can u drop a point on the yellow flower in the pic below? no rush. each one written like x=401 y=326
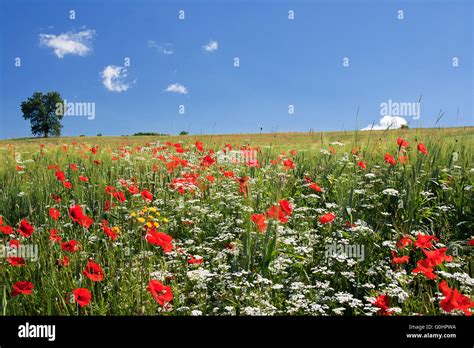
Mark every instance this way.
x=116 y=229
x=156 y=224
x=165 y=220
x=158 y=213
x=133 y=214
x=141 y=220
x=148 y=224
x=153 y=209
x=150 y=217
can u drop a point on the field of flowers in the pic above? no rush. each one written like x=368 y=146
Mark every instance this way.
x=357 y=223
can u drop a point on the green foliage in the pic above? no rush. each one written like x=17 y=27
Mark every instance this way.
x=43 y=113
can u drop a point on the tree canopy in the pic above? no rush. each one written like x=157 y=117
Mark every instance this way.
x=43 y=113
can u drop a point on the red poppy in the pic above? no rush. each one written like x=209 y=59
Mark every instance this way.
x=53 y=236
x=276 y=212
x=160 y=239
x=63 y=262
x=403 y=242
x=390 y=160
x=70 y=246
x=425 y=268
x=56 y=198
x=83 y=178
x=260 y=221
x=73 y=166
x=82 y=296
x=421 y=147
x=382 y=302
x=60 y=175
x=403 y=159
x=93 y=271
x=454 y=300
x=6 y=229
x=252 y=163
x=133 y=190
x=327 y=218
x=399 y=259
x=207 y=161
x=22 y=288
x=67 y=184
x=109 y=189
x=362 y=165
x=199 y=145
x=108 y=231
x=424 y=241
x=160 y=292
x=78 y=216
x=147 y=196
x=16 y=261
x=470 y=242
x=313 y=186
x=288 y=163
x=107 y=205
x=25 y=228
x=286 y=206
x=243 y=185
x=229 y=174
x=14 y=243
x=402 y=142
x=120 y=196
x=195 y=261
x=54 y=213
x=437 y=257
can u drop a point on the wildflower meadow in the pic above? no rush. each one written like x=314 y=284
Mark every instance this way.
x=375 y=223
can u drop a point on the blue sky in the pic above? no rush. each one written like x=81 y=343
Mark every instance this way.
x=283 y=62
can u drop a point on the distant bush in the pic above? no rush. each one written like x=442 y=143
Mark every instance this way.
x=404 y=126
x=99 y=135
x=148 y=134
x=183 y=133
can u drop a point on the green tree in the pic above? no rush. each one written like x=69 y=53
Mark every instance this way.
x=45 y=112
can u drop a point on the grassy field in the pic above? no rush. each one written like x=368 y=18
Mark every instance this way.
x=343 y=223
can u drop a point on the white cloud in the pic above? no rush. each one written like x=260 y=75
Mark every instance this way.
x=69 y=43
x=176 y=88
x=165 y=49
x=113 y=78
x=387 y=122
x=211 y=46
